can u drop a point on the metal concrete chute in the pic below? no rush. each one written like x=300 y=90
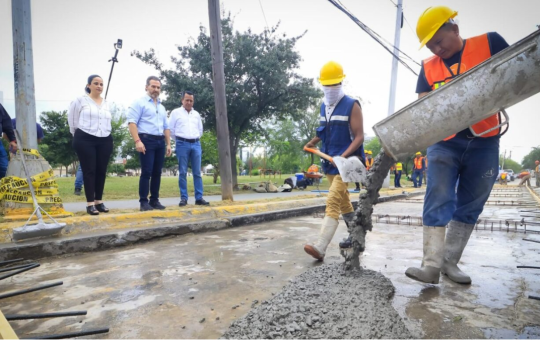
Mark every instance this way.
x=505 y=79
x=40 y=229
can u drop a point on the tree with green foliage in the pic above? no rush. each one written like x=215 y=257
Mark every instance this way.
x=210 y=152
x=530 y=158
x=261 y=80
x=509 y=164
x=58 y=138
x=119 y=131
x=171 y=163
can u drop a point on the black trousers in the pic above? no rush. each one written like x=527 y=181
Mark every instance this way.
x=94 y=154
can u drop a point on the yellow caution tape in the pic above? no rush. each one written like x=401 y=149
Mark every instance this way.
x=16 y=189
x=28 y=199
x=32 y=152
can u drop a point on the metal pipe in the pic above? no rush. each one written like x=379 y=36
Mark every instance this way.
x=29 y=290
x=498 y=83
x=529 y=267
x=30 y=267
x=10 y=261
x=526 y=239
x=44 y=315
x=71 y=335
x=7 y=269
x=534 y=297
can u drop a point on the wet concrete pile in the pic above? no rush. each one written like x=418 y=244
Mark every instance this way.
x=362 y=219
x=326 y=302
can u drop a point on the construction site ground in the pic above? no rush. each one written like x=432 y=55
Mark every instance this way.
x=194 y=285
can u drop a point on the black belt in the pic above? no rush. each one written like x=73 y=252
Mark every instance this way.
x=145 y=135
x=187 y=140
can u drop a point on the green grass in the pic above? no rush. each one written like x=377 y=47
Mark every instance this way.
x=123 y=188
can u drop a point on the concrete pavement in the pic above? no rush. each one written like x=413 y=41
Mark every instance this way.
x=193 y=286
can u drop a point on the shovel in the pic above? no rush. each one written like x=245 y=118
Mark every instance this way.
x=40 y=229
x=351 y=169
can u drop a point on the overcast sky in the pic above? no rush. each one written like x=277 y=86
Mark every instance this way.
x=73 y=39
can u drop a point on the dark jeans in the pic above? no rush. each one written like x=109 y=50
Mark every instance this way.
x=397 y=178
x=475 y=163
x=151 y=166
x=3 y=162
x=94 y=154
x=417 y=178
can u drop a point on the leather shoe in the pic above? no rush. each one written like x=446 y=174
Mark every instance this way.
x=102 y=208
x=91 y=210
x=201 y=202
x=157 y=205
x=183 y=202
x=146 y=207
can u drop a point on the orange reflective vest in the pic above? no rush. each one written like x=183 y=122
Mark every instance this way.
x=418 y=163
x=369 y=163
x=475 y=51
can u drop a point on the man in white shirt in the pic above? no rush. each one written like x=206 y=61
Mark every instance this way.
x=186 y=127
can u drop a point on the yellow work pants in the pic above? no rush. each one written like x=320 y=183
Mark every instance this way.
x=338 y=197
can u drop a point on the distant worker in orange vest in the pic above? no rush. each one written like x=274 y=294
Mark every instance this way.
x=369 y=164
x=525 y=176
x=418 y=170
x=472 y=159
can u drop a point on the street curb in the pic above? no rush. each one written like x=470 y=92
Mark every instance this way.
x=80 y=244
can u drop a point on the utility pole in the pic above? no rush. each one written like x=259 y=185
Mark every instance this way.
x=23 y=65
x=25 y=108
x=393 y=79
x=222 y=123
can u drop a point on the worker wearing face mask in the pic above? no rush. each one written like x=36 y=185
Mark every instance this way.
x=341 y=132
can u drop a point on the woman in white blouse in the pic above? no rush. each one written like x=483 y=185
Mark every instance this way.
x=89 y=121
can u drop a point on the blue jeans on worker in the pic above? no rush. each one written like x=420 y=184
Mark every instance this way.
x=475 y=162
x=3 y=161
x=397 y=178
x=187 y=152
x=417 y=176
x=151 y=167
x=79 y=178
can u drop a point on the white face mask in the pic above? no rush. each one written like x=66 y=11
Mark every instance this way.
x=332 y=94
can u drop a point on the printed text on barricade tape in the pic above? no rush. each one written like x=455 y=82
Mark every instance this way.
x=46 y=188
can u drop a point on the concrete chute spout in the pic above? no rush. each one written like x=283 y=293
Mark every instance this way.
x=505 y=79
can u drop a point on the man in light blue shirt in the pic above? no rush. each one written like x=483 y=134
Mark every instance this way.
x=148 y=126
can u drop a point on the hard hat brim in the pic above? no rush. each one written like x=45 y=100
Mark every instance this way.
x=331 y=81
x=432 y=33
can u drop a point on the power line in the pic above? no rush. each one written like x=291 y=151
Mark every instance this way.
x=375 y=36
x=264 y=15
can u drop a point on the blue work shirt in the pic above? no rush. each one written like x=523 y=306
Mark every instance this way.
x=149 y=117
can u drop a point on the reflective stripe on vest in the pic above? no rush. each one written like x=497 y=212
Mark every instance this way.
x=399 y=166
x=437 y=74
x=418 y=163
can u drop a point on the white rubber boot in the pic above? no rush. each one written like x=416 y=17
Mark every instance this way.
x=328 y=229
x=433 y=256
x=456 y=239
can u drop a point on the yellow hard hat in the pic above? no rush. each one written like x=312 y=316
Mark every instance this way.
x=369 y=152
x=331 y=73
x=419 y=153
x=431 y=20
